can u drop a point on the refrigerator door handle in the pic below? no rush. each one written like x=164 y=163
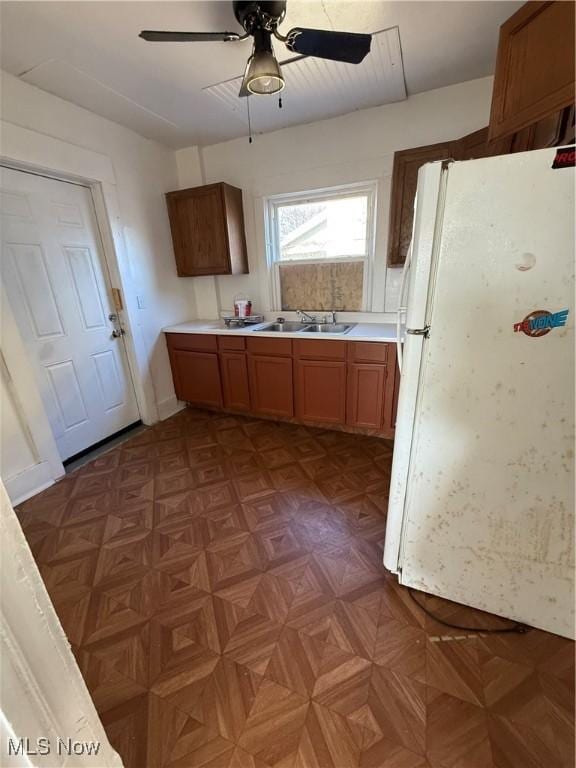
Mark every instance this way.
x=402 y=308
x=419 y=331
x=399 y=351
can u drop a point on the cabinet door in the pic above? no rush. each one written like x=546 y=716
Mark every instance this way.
x=235 y=380
x=552 y=131
x=366 y=384
x=477 y=145
x=321 y=391
x=235 y=234
x=271 y=385
x=196 y=377
x=534 y=74
x=197 y=221
x=407 y=163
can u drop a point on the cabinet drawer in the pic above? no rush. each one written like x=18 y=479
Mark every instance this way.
x=368 y=352
x=319 y=349
x=232 y=343
x=262 y=346
x=195 y=342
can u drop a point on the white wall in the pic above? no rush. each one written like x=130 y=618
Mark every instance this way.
x=356 y=147
x=144 y=170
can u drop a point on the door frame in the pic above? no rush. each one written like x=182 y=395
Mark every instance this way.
x=109 y=250
x=25 y=150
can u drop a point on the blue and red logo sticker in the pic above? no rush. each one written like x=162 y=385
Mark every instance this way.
x=540 y=322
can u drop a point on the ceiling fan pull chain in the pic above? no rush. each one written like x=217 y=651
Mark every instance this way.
x=249 y=123
x=279 y=102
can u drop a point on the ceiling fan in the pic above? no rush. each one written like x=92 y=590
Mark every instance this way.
x=260 y=20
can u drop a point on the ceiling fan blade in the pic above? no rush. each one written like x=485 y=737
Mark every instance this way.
x=349 y=47
x=243 y=90
x=153 y=36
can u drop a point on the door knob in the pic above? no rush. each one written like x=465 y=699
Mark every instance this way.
x=118 y=330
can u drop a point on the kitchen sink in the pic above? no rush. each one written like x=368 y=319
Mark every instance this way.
x=328 y=328
x=293 y=327
x=287 y=327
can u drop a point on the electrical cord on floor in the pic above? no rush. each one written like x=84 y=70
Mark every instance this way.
x=516 y=628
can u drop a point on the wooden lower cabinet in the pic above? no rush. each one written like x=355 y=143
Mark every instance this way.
x=196 y=377
x=316 y=381
x=235 y=385
x=320 y=391
x=366 y=387
x=271 y=385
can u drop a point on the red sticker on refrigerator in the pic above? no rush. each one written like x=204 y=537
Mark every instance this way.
x=565 y=158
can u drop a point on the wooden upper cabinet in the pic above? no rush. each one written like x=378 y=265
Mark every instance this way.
x=407 y=163
x=551 y=131
x=478 y=144
x=207 y=226
x=534 y=75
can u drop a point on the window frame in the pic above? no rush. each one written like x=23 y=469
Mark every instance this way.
x=273 y=261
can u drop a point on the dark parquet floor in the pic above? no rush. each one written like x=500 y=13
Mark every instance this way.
x=220 y=581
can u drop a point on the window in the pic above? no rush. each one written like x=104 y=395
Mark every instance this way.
x=320 y=248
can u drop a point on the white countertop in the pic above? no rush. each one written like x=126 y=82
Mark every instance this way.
x=360 y=331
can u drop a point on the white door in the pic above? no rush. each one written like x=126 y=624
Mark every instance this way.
x=490 y=504
x=59 y=291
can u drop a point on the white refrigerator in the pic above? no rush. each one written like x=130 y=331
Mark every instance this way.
x=481 y=507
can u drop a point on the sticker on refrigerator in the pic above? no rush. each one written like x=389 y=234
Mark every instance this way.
x=540 y=322
x=565 y=158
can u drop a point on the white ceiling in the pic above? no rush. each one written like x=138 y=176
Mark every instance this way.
x=90 y=54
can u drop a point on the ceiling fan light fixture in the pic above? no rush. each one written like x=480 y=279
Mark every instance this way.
x=264 y=75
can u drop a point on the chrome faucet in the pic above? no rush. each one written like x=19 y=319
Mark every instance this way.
x=330 y=317
x=305 y=317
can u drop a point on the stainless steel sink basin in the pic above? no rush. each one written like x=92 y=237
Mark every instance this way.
x=287 y=327
x=294 y=327
x=328 y=328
